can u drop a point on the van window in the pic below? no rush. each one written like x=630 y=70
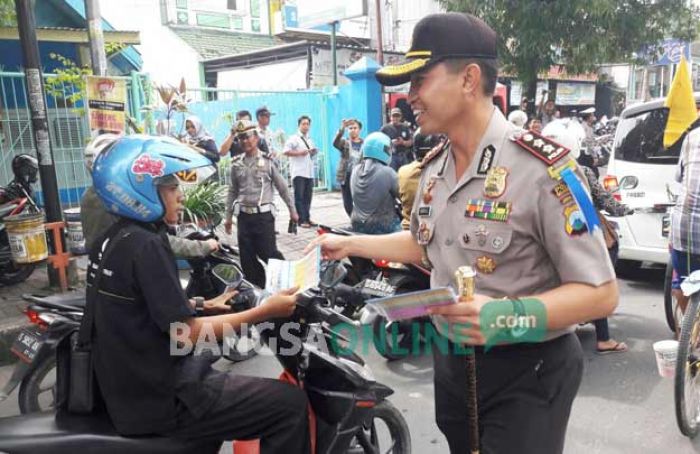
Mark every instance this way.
x=640 y=139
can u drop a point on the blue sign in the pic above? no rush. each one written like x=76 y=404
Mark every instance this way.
x=671 y=52
x=291 y=19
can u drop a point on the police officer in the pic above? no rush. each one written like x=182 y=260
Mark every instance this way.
x=409 y=175
x=250 y=197
x=511 y=205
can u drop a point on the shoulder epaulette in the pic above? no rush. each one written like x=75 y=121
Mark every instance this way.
x=434 y=153
x=543 y=148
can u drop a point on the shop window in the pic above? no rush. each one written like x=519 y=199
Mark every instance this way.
x=213 y=20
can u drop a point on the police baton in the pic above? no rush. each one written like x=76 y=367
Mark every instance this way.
x=465 y=276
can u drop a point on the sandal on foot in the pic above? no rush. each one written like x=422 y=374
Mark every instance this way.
x=619 y=347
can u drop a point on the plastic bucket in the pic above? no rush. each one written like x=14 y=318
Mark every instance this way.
x=27 y=237
x=74 y=231
x=666 y=353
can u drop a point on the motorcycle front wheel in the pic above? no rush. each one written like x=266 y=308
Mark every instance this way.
x=37 y=392
x=388 y=433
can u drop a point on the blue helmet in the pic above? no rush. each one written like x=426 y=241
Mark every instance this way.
x=126 y=175
x=377 y=146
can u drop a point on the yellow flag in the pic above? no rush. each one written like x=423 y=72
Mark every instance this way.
x=681 y=103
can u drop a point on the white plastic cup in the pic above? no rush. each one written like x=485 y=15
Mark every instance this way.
x=666 y=352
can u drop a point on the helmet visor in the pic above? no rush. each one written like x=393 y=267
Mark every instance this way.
x=189 y=177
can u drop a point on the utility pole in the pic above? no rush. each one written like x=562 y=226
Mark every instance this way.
x=334 y=47
x=96 y=37
x=380 y=40
x=37 y=110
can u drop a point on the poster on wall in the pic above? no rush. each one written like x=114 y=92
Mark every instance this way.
x=106 y=104
x=569 y=94
x=516 y=91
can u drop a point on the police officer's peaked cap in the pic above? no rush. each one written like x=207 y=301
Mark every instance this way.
x=244 y=126
x=438 y=37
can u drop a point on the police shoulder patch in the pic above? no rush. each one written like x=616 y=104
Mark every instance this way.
x=541 y=147
x=434 y=153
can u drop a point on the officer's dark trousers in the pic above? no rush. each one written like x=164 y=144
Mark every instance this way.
x=256 y=238
x=303 y=191
x=250 y=408
x=525 y=393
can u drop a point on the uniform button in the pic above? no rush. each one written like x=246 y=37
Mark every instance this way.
x=448 y=242
x=453 y=199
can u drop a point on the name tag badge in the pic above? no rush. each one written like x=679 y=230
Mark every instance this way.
x=425 y=211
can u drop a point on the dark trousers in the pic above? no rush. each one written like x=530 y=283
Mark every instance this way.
x=251 y=408
x=400 y=159
x=525 y=393
x=347 y=194
x=303 y=191
x=256 y=239
x=602 y=332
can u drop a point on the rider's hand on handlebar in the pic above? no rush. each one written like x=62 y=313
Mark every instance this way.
x=218 y=305
x=213 y=245
x=281 y=304
x=333 y=247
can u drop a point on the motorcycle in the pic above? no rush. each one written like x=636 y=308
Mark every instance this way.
x=16 y=198
x=392 y=339
x=55 y=317
x=346 y=400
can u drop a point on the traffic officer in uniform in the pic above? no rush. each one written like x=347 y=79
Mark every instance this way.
x=510 y=204
x=250 y=196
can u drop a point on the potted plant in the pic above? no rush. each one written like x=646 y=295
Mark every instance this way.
x=205 y=204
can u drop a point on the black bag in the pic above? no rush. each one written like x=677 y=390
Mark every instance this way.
x=82 y=390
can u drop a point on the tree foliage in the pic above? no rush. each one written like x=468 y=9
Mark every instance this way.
x=578 y=34
x=8 y=18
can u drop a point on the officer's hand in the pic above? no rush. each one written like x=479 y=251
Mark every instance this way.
x=218 y=304
x=213 y=245
x=281 y=304
x=463 y=319
x=295 y=217
x=227 y=226
x=333 y=247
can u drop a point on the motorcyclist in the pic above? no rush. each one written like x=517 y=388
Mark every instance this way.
x=139 y=306
x=25 y=169
x=96 y=220
x=375 y=188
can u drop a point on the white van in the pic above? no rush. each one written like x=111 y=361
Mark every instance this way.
x=641 y=174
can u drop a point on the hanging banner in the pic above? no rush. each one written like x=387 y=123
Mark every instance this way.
x=106 y=104
x=575 y=94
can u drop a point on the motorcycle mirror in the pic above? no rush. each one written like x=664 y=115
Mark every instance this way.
x=333 y=274
x=229 y=274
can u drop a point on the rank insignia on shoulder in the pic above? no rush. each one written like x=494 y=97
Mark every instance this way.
x=541 y=147
x=488 y=209
x=434 y=153
x=495 y=183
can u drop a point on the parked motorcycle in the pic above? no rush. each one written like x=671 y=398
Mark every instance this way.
x=350 y=407
x=55 y=317
x=16 y=198
x=393 y=339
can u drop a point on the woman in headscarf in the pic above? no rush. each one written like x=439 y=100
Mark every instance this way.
x=199 y=137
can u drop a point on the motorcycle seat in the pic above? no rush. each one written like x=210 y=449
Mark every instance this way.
x=44 y=433
x=60 y=301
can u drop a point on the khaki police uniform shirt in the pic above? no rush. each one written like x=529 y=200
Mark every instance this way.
x=536 y=246
x=409 y=175
x=252 y=181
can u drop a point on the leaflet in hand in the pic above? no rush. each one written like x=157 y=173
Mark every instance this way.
x=412 y=305
x=284 y=274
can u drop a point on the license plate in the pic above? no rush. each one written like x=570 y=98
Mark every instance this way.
x=665 y=225
x=27 y=344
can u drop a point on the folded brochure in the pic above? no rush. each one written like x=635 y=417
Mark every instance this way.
x=284 y=274
x=414 y=304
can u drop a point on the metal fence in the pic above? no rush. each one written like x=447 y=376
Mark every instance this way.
x=68 y=128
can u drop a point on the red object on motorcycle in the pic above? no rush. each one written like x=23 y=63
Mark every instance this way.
x=365 y=404
x=33 y=317
x=381 y=263
x=611 y=184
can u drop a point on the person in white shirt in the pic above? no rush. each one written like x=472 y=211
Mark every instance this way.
x=265 y=132
x=300 y=149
